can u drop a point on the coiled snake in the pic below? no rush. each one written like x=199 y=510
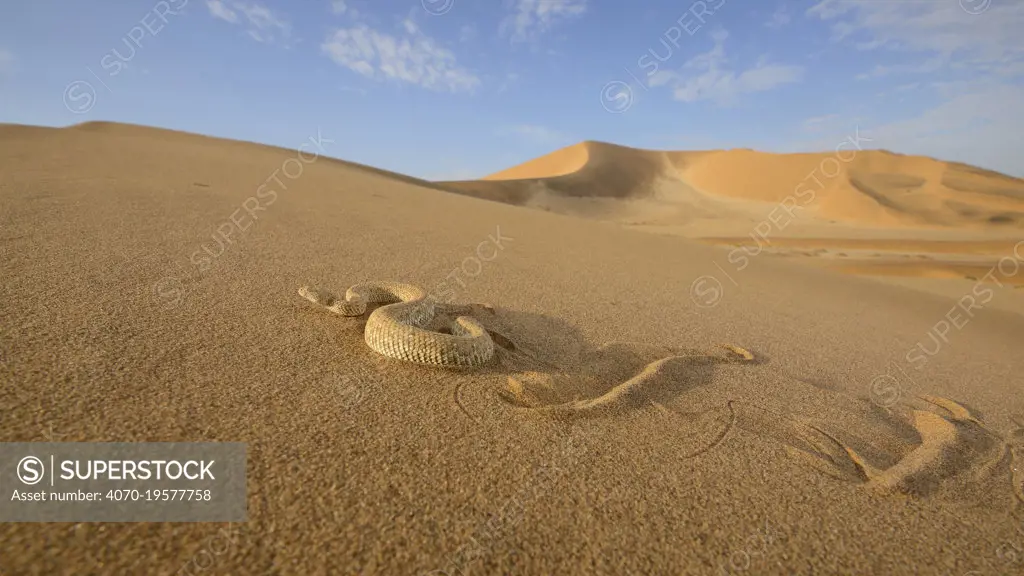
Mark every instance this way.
x=398 y=329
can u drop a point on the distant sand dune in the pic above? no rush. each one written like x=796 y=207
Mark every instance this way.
x=852 y=200
x=869 y=187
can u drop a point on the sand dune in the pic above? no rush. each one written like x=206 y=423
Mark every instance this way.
x=816 y=205
x=149 y=293
x=865 y=187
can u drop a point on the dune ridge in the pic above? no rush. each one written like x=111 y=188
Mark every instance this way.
x=120 y=131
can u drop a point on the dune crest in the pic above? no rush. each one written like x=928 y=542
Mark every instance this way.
x=558 y=163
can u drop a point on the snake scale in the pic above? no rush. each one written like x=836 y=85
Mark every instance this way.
x=399 y=328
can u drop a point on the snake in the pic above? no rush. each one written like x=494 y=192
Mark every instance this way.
x=399 y=328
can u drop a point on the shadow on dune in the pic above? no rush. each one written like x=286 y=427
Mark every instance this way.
x=550 y=369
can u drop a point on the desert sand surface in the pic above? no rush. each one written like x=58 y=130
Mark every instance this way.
x=654 y=404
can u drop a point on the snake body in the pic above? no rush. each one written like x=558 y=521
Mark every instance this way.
x=398 y=329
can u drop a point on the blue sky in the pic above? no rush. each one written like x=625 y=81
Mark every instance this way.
x=448 y=89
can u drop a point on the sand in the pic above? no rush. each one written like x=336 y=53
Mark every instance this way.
x=654 y=408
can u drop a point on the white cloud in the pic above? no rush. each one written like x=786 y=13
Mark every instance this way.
x=973 y=63
x=870 y=45
x=717 y=83
x=220 y=10
x=531 y=18
x=940 y=28
x=411 y=56
x=926 y=67
x=261 y=23
x=264 y=24
x=828 y=9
